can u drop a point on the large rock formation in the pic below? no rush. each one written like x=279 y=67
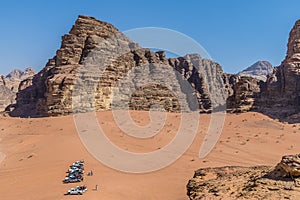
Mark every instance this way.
x=281 y=97
x=259 y=70
x=97 y=67
x=259 y=182
x=9 y=86
x=50 y=91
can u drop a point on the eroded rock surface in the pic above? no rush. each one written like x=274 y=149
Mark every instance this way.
x=259 y=182
x=282 y=95
x=290 y=165
x=95 y=58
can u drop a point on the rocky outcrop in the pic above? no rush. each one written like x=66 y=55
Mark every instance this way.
x=282 y=95
x=242 y=92
x=259 y=182
x=259 y=70
x=97 y=67
x=290 y=165
x=9 y=86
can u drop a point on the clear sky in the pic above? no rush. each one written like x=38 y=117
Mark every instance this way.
x=236 y=33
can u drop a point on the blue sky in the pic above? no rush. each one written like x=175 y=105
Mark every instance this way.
x=236 y=33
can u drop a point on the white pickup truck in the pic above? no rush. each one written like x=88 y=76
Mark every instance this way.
x=79 y=190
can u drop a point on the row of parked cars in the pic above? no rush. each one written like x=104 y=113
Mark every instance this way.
x=75 y=174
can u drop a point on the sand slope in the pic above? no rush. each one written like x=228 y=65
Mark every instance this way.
x=39 y=151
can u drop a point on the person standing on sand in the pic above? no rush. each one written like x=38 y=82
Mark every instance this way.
x=96 y=188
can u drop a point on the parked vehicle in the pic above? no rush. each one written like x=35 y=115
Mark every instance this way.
x=75 y=173
x=74 y=191
x=79 y=165
x=80 y=162
x=73 y=180
x=76 y=167
x=76 y=170
x=75 y=176
x=81 y=187
x=78 y=190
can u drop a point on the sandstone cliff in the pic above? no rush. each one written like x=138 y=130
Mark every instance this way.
x=94 y=62
x=242 y=93
x=281 y=97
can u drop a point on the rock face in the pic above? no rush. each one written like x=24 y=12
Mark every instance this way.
x=50 y=91
x=97 y=67
x=242 y=92
x=259 y=70
x=9 y=86
x=260 y=182
x=282 y=92
x=7 y=96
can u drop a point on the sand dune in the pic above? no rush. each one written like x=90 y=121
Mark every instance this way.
x=39 y=151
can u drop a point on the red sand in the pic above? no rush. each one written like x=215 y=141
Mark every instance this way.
x=39 y=151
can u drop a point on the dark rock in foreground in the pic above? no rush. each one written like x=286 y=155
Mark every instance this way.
x=260 y=182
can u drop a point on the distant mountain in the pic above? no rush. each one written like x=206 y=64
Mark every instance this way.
x=9 y=85
x=19 y=74
x=258 y=70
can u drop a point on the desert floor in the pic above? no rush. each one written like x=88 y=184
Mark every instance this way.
x=38 y=152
